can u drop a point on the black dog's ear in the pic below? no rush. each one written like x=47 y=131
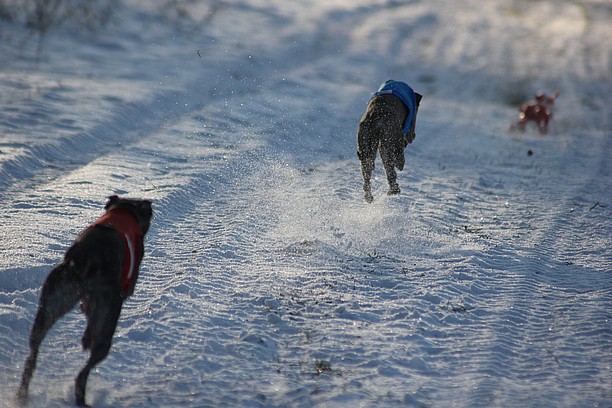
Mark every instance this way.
x=111 y=200
x=146 y=206
x=418 y=98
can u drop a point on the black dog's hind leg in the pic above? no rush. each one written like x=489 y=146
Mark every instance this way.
x=102 y=315
x=59 y=295
x=367 y=166
x=389 y=164
x=367 y=149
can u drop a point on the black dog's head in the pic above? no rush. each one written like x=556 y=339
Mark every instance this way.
x=412 y=134
x=141 y=209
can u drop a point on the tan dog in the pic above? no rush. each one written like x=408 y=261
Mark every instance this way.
x=539 y=112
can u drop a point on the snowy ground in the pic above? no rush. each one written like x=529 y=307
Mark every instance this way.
x=267 y=280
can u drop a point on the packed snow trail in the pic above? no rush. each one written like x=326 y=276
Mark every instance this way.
x=267 y=279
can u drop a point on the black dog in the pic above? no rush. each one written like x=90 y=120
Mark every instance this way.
x=388 y=125
x=100 y=269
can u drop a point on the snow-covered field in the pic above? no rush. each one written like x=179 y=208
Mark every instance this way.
x=268 y=280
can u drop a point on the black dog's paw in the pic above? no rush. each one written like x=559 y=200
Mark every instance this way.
x=79 y=389
x=82 y=403
x=21 y=398
x=394 y=190
x=368 y=197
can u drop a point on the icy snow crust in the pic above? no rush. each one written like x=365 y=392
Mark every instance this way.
x=267 y=279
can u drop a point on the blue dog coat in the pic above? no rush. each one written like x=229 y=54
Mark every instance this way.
x=406 y=95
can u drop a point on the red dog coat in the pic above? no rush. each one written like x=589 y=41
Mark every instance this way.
x=127 y=226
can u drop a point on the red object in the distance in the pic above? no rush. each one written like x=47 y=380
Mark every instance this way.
x=539 y=112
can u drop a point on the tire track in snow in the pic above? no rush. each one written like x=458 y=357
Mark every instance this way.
x=519 y=319
x=162 y=290
x=546 y=297
x=130 y=123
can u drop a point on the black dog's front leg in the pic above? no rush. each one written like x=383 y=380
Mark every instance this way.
x=367 y=166
x=102 y=312
x=390 y=159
